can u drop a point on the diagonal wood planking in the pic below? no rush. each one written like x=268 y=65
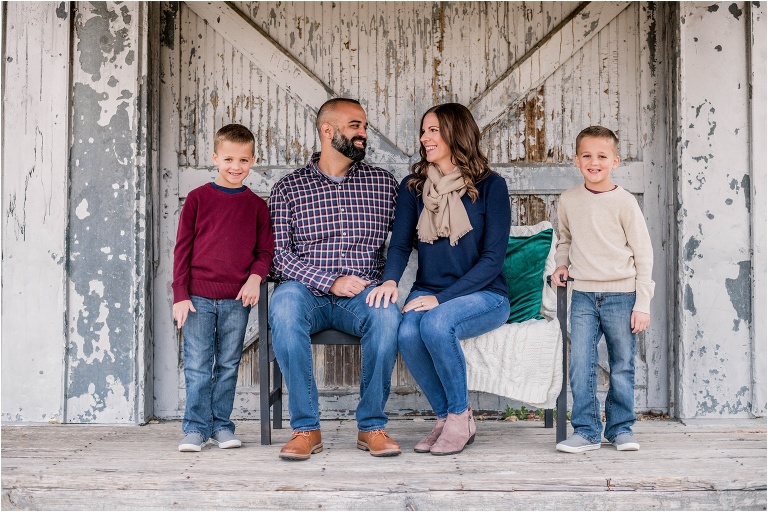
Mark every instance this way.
x=283 y=68
x=532 y=69
x=528 y=72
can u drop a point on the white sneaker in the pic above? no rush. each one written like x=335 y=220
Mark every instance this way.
x=576 y=444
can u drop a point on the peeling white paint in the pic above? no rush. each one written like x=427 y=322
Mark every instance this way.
x=82 y=209
x=97 y=287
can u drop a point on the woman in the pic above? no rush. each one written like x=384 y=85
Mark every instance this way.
x=460 y=211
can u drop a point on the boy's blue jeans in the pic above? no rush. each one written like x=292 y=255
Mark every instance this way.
x=429 y=343
x=592 y=315
x=213 y=345
x=295 y=313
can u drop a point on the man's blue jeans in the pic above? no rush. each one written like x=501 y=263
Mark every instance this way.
x=295 y=313
x=429 y=343
x=592 y=315
x=213 y=345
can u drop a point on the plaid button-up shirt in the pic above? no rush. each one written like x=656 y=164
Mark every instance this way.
x=324 y=230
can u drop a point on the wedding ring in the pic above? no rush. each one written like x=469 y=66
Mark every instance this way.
x=422 y=303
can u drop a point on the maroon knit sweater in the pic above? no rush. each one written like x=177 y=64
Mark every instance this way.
x=222 y=239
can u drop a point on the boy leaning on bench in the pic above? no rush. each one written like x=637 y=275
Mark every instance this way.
x=225 y=247
x=605 y=247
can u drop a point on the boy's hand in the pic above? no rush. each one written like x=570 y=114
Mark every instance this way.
x=348 y=286
x=639 y=321
x=560 y=276
x=250 y=291
x=180 y=311
x=386 y=291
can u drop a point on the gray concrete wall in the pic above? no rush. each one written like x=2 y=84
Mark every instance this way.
x=721 y=349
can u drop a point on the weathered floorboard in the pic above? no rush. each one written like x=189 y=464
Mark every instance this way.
x=511 y=465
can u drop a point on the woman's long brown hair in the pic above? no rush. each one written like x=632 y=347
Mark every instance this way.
x=459 y=131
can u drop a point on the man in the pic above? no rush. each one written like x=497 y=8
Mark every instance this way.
x=330 y=221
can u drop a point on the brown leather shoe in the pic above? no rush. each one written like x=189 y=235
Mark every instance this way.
x=378 y=443
x=302 y=445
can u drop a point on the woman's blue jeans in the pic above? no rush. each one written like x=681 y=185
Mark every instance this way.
x=592 y=315
x=295 y=313
x=429 y=343
x=213 y=345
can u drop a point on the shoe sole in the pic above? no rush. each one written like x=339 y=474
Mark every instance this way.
x=381 y=453
x=627 y=447
x=234 y=443
x=469 y=442
x=292 y=456
x=190 y=447
x=578 y=449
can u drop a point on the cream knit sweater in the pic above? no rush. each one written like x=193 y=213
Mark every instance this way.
x=604 y=240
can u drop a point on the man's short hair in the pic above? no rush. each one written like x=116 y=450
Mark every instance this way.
x=598 y=132
x=236 y=133
x=327 y=109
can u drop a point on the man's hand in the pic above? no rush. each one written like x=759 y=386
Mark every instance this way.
x=639 y=321
x=560 y=276
x=386 y=291
x=180 y=311
x=348 y=286
x=250 y=291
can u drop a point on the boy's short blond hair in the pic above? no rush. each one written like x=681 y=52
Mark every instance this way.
x=236 y=133
x=598 y=132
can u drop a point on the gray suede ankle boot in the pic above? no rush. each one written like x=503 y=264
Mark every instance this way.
x=458 y=431
x=425 y=444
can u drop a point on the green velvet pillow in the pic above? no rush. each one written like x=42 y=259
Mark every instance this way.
x=524 y=270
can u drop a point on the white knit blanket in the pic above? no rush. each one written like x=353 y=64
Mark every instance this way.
x=521 y=361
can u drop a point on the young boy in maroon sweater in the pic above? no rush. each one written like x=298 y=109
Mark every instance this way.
x=224 y=249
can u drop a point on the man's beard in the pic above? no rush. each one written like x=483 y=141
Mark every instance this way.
x=347 y=146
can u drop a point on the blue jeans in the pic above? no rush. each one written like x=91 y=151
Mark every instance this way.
x=213 y=345
x=295 y=313
x=429 y=343
x=592 y=315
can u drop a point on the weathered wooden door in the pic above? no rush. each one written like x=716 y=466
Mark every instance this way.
x=533 y=73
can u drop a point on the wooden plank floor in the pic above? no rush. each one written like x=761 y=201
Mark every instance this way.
x=511 y=465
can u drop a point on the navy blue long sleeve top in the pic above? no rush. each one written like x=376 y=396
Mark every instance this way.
x=474 y=264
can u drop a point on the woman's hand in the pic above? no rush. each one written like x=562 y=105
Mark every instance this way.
x=386 y=292
x=424 y=303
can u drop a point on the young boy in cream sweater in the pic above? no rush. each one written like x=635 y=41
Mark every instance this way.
x=605 y=247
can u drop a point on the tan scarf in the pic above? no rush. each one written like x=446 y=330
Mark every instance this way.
x=443 y=214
